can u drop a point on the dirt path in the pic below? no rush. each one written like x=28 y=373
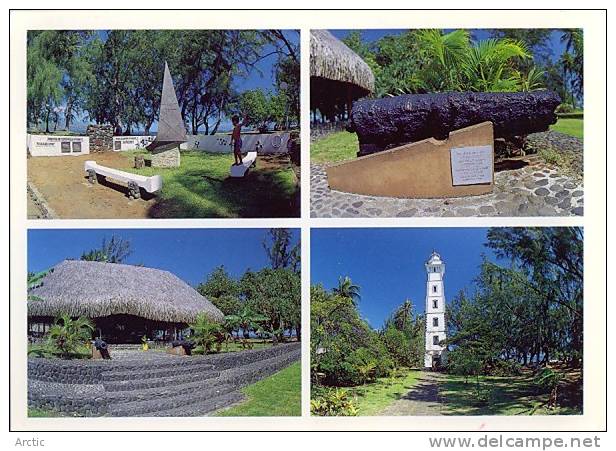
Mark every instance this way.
x=422 y=400
x=62 y=182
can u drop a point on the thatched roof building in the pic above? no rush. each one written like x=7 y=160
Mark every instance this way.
x=133 y=299
x=337 y=74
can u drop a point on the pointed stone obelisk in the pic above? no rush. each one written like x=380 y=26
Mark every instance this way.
x=171 y=129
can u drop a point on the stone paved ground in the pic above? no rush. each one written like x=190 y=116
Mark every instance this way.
x=422 y=400
x=525 y=186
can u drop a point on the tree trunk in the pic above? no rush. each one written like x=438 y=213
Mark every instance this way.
x=47 y=121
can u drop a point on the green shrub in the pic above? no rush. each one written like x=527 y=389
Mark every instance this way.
x=68 y=338
x=332 y=402
x=207 y=335
x=547 y=381
x=506 y=368
x=565 y=108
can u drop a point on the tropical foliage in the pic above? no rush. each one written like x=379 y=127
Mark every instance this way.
x=264 y=303
x=206 y=335
x=114 y=76
x=68 y=338
x=420 y=61
x=114 y=250
x=523 y=319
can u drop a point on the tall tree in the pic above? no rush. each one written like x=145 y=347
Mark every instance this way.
x=114 y=250
x=281 y=251
x=347 y=289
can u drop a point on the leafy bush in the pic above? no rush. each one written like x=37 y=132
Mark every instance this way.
x=398 y=346
x=565 y=108
x=332 y=402
x=206 y=335
x=506 y=368
x=68 y=337
x=548 y=380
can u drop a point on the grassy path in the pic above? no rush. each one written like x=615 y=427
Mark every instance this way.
x=423 y=399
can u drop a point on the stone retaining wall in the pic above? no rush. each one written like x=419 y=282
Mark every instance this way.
x=101 y=137
x=77 y=387
x=67 y=371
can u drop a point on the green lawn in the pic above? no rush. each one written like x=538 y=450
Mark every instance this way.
x=277 y=395
x=573 y=127
x=342 y=146
x=42 y=413
x=375 y=396
x=504 y=396
x=201 y=188
x=336 y=147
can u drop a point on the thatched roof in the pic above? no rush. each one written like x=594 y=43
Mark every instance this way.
x=331 y=59
x=94 y=289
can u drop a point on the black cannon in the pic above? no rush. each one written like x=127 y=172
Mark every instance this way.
x=390 y=122
x=187 y=345
x=101 y=346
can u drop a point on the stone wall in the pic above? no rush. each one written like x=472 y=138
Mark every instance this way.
x=101 y=137
x=166 y=159
x=151 y=383
x=67 y=371
x=319 y=130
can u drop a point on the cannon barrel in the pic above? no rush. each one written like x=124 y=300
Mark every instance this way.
x=390 y=122
x=186 y=344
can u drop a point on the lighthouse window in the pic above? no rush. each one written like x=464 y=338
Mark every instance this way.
x=433 y=288
x=434 y=303
x=435 y=340
x=435 y=322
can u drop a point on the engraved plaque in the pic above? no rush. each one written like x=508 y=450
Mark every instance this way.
x=472 y=165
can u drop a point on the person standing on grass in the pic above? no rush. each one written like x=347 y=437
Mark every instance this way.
x=236 y=138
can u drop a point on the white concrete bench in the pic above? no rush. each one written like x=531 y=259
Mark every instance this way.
x=239 y=170
x=134 y=181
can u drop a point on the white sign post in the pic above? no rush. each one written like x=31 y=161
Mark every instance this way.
x=472 y=165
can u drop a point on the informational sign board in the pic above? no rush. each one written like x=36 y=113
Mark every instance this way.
x=471 y=165
x=121 y=143
x=270 y=143
x=52 y=145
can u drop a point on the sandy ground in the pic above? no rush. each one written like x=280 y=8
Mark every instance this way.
x=63 y=183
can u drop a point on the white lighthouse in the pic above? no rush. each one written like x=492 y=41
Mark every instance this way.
x=435 y=312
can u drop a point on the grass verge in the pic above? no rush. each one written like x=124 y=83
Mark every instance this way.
x=336 y=147
x=569 y=126
x=516 y=395
x=376 y=396
x=277 y=395
x=201 y=188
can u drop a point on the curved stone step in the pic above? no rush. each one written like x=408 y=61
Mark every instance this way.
x=151 y=372
x=201 y=408
x=256 y=371
x=150 y=407
x=173 y=388
x=142 y=384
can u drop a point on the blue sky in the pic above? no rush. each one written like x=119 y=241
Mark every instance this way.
x=373 y=35
x=190 y=254
x=388 y=263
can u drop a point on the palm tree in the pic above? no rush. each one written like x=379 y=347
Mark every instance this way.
x=246 y=320
x=347 y=289
x=207 y=333
x=454 y=63
x=67 y=334
x=403 y=315
x=572 y=60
